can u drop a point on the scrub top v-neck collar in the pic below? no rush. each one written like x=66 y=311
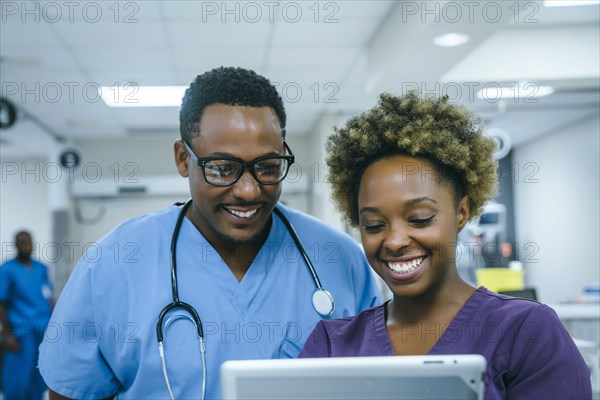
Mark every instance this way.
x=239 y=293
x=465 y=314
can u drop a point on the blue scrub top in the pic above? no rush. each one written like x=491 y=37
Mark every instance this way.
x=27 y=292
x=102 y=336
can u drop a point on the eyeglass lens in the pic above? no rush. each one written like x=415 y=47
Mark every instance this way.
x=268 y=171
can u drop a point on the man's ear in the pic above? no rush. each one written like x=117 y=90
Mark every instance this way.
x=181 y=158
x=462 y=213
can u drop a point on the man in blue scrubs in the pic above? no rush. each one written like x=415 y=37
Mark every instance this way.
x=237 y=263
x=25 y=307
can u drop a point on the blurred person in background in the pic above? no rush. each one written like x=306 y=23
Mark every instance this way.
x=25 y=308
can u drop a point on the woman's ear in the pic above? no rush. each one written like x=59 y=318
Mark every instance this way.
x=462 y=213
x=181 y=158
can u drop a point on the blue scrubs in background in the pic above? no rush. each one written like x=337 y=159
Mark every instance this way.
x=102 y=336
x=26 y=292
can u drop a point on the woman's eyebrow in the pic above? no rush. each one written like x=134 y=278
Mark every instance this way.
x=368 y=209
x=414 y=202
x=408 y=204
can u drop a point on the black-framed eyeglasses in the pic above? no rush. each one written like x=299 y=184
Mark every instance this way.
x=225 y=171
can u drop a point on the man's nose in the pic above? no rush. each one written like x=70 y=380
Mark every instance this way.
x=246 y=188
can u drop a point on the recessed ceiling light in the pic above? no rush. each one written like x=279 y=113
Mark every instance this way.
x=570 y=3
x=142 y=96
x=521 y=90
x=451 y=39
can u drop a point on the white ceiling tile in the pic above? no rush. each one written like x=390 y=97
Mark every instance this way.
x=48 y=89
x=203 y=58
x=311 y=56
x=15 y=32
x=343 y=33
x=305 y=76
x=310 y=94
x=278 y=11
x=194 y=34
x=82 y=34
x=318 y=60
x=91 y=12
x=140 y=76
x=351 y=9
x=150 y=118
x=185 y=9
x=32 y=56
x=131 y=12
x=529 y=54
x=126 y=58
x=533 y=13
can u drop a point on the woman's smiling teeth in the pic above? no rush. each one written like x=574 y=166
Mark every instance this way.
x=406 y=266
x=242 y=214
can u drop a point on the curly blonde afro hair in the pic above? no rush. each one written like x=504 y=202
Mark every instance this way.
x=448 y=136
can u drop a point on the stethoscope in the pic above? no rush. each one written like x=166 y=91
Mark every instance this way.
x=322 y=299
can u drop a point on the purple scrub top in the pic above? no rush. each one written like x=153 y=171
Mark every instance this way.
x=529 y=352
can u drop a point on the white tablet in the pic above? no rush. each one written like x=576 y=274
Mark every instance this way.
x=399 y=377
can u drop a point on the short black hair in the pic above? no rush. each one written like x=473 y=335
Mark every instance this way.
x=230 y=86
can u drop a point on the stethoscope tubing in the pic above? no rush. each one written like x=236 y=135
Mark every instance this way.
x=175 y=291
x=294 y=235
x=327 y=310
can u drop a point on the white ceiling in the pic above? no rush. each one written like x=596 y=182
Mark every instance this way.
x=350 y=50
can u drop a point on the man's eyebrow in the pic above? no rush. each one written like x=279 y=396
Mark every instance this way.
x=229 y=155
x=220 y=154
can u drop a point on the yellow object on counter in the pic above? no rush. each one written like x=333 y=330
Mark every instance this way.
x=500 y=279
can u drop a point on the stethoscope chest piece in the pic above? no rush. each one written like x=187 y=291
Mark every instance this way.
x=323 y=302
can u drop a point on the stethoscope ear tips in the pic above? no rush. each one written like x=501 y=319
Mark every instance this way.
x=323 y=302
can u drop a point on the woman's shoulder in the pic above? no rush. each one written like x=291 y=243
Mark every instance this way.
x=511 y=309
x=492 y=299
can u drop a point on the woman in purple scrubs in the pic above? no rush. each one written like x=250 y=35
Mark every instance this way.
x=410 y=173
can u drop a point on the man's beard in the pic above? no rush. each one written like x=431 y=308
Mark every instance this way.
x=241 y=249
x=233 y=242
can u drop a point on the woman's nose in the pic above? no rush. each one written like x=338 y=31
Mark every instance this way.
x=397 y=239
